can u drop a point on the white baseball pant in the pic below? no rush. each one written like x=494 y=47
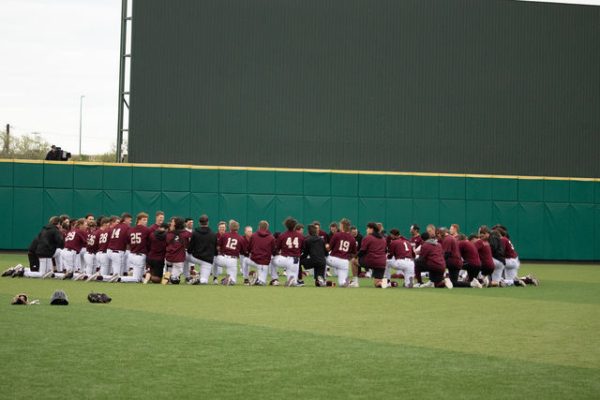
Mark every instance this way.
x=116 y=258
x=341 y=267
x=262 y=270
x=291 y=265
x=230 y=265
x=138 y=263
x=498 y=270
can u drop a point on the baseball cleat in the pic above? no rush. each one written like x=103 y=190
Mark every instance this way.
x=448 y=283
x=8 y=272
x=521 y=282
x=291 y=281
x=80 y=277
x=320 y=282
x=486 y=281
x=426 y=285
x=18 y=272
x=353 y=284
x=93 y=277
x=68 y=275
x=299 y=283
x=274 y=282
x=476 y=284
x=114 y=279
x=215 y=281
x=384 y=283
x=246 y=282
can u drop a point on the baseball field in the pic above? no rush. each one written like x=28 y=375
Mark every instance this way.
x=211 y=342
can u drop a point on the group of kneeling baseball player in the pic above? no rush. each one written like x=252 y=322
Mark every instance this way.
x=112 y=250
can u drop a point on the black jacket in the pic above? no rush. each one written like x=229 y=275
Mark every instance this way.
x=314 y=248
x=497 y=247
x=203 y=244
x=49 y=240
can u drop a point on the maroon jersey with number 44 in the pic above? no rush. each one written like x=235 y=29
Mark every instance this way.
x=342 y=245
x=290 y=243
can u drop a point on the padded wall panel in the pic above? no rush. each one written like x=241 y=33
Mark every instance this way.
x=531 y=224
x=479 y=212
x=317 y=208
x=119 y=178
x=116 y=202
x=261 y=182
x=6 y=173
x=399 y=186
x=28 y=206
x=371 y=210
x=205 y=203
x=597 y=233
x=597 y=192
x=557 y=222
x=262 y=206
x=57 y=202
x=87 y=201
x=87 y=176
x=28 y=175
x=176 y=204
x=505 y=189
x=452 y=212
x=175 y=179
x=426 y=211
x=478 y=189
x=582 y=219
x=556 y=191
x=344 y=185
x=204 y=180
x=371 y=185
x=146 y=178
x=58 y=175
x=6 y=216
x=317 y=184
x=233 y=206
x=289 y=182
x=426 y=187
x=233 y=181
x=398 y=214
x=148 y=202
x=452 y=187
x=344 y=207
x=286 y=206
x=531 y=190
x=582 y=192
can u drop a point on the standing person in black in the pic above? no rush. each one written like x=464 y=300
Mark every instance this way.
x=358 y=237
x=313 y=255
x=49 y=240
x=203 y=249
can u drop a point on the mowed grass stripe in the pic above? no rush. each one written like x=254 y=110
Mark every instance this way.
x=111 y=352
x=547 y=331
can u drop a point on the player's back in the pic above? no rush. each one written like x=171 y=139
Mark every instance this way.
x=118 y=238
x=290 y=243
x=400 y=248
x=342 y=245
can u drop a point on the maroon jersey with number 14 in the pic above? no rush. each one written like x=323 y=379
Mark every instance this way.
x=118 y=238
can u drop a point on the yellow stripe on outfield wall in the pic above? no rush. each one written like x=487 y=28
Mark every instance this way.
x=332 y=171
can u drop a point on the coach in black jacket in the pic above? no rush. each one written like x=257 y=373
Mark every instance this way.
x=49 y=239
x=203 y=245
x=314 y=253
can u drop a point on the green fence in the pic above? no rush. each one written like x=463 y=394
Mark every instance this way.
x=548 y=218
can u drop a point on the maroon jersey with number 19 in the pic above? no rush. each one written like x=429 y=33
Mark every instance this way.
x=342 y=245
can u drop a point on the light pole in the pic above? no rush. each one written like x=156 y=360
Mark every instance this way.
x=80 y=120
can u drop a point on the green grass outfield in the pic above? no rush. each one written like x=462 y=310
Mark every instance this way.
x=212 y=342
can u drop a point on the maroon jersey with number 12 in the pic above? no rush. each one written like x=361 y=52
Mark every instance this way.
x=232 y=244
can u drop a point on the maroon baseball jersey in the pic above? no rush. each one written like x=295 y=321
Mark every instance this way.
x=75 y=240
x=262 y=247
x=450 y=247
x=231 y=244
x=432 y=256
x=118 y=237
x=400 y=248
x=103 y=236
x=138 y=239
x=374 y=252
x=177 y=243
x=416 y=241
x=485 y=254
x=290 y=243
x=152 y=228
x=469 y=253
x=92 y=241
x=158 y=247
x=323 y=234
x=342 y=245
x=509 y=249
x=246 y=248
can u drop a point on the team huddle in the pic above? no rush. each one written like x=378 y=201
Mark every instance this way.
x=111 y=249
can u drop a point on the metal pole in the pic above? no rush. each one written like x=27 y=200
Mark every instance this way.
x=121 y=77
x=80 y=121
x=7 y=142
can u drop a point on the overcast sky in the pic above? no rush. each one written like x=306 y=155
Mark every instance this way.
x=54 y=51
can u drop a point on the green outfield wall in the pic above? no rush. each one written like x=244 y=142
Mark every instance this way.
x=549 y=218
